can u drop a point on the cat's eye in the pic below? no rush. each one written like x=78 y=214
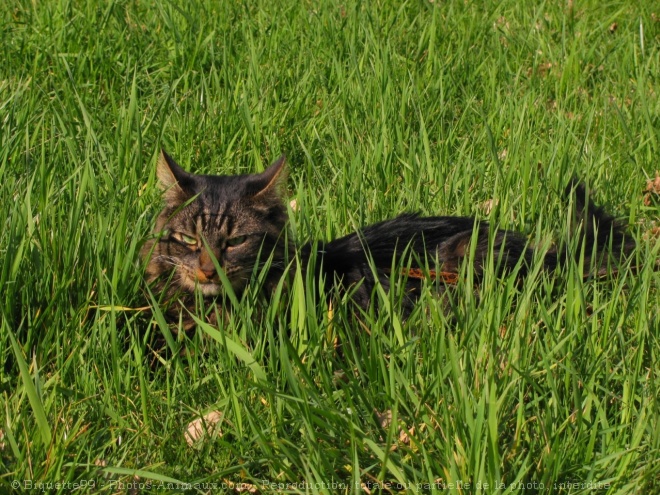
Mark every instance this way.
x=236 y=241
x=186 y=239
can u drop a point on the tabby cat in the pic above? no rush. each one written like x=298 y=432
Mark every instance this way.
x=240 y=222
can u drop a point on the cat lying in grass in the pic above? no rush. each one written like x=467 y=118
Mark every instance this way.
x=239 y=222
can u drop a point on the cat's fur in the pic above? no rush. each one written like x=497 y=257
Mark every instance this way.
x=241 y=221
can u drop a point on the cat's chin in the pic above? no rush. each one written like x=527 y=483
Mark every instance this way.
x=209 y=289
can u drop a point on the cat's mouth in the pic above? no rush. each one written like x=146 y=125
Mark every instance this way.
x=198 y=282
x=194 y=280
x=208 y=286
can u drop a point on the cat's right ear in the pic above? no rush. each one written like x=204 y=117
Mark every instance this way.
x=172 y=179
x=271 y=181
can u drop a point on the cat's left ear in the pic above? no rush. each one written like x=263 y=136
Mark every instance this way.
x=271 y=181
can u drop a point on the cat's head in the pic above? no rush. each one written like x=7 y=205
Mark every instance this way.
x=237 y=220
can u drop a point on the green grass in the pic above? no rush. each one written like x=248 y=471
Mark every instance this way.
x=381 y=107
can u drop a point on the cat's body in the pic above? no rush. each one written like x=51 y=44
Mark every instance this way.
x=240 y=222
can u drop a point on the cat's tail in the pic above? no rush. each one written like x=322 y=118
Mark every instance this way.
x=601 y=236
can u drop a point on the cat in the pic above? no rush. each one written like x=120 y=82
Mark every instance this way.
x=240 y=222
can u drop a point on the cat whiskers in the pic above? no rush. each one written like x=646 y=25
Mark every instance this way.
x=168 y=260
x=182 y=276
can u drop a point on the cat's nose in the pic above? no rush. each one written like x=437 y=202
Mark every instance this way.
x=208 y=272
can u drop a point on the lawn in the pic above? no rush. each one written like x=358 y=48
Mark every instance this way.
x=443 y=107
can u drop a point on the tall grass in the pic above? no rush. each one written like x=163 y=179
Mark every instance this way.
x=453 y=107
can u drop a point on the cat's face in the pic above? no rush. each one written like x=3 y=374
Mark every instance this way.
x=234 y=221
